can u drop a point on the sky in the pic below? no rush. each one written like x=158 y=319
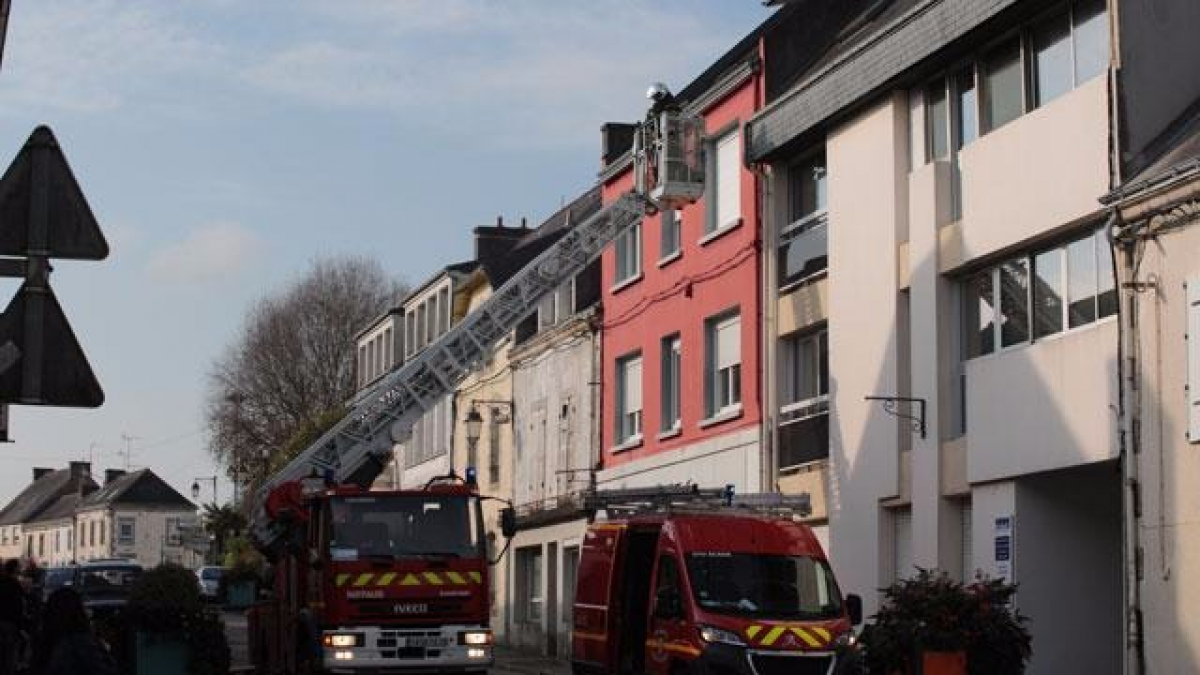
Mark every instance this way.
x=226 y=144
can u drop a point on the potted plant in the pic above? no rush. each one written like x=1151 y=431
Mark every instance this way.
x=243 y=572
x=169 y=630
x=932 y=625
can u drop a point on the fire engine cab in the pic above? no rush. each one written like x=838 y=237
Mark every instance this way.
x=678 y=580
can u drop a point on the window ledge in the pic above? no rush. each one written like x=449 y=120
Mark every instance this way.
x=803 y=281
x=670 y=433
x=721 y=231
x=730 y=413
x=670 y=258
x=625 y=283
x=628 y=444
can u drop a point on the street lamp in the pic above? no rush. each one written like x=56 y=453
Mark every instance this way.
x=196 y=487
x=474 y=423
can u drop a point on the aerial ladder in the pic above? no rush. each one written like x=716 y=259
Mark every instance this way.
x=668 y=172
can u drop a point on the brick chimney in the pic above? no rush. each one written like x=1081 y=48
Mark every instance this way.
x=112 y=474
x=80 y=469
x=494 y=243
x=616 y=138
x=40 y=472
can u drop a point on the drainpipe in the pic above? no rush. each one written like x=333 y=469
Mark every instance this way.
x=768 y=310
x=1123 y=246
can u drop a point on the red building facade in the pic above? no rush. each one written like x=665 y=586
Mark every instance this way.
x=680 y=343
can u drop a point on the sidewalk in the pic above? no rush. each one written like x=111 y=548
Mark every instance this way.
x=510 y=660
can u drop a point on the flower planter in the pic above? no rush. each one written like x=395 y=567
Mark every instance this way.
x=943 y=663
x=160 y=655
x=240 y=595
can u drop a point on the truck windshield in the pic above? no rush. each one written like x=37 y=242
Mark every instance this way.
x=773 y=586
x=397 y=526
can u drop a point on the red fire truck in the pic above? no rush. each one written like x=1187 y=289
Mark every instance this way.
x=377 y=581
x=703 y=585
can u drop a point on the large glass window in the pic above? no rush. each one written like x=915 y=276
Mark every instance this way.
x=1003 y=86
x=1014 y=302
x=1090 y=19
x=671 y=380
x=804 y=398
x=966 y=108
x=629 y=399
x=391 y=527
x=1052 y=66
x=1038 y=295
x=724 y=364
x=1047 y=293
x=629 y=254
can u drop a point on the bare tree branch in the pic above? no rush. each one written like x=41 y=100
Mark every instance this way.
x=291 y=367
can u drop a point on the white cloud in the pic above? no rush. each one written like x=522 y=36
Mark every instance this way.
x=214 y=251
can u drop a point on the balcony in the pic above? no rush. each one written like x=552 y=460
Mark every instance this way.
x=804 y=433
x=803 y=250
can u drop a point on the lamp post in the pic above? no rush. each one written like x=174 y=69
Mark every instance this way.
x=196 y=487
x=474 y=423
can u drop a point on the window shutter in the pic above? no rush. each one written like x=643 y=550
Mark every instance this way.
x=1193 y=358
x=632 y=393
x=728 y=189
x=729 y=343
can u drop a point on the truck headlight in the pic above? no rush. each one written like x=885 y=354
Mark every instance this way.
x=343 y=639
x=475 y=638
x=712 y=634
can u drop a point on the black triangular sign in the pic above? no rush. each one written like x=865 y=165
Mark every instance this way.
x=66 y=379
x=71 y=229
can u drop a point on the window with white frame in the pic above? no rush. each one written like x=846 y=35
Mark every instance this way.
x=804 y=398
x=174 y=534
x=629 y=399
x=671 y=381
x=725 y=192
x=670 y=240
x=1039 y=294
x=125 y=531
x=723 y=341
x=443 y=321
x=628 y=250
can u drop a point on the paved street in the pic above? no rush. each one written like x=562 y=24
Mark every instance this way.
x=508 y=661
x=235 y=632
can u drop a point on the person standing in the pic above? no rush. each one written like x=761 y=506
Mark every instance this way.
x=12 y=616
x=66 y=645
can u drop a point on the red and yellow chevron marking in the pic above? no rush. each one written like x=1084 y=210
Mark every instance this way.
x=408 y=579
x=813 y=637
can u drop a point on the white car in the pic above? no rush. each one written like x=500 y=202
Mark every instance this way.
x=210 y=582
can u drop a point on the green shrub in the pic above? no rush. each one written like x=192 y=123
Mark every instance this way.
x=165 y=603
x=931 y=612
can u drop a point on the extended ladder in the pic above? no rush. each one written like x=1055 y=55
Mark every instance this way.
x=692 y=498
x=360 y=445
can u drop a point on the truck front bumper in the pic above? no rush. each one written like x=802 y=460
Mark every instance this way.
x=376 y=649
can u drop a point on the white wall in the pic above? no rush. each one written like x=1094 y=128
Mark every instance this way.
x=867 y=159
x=1037 y=173
x=733 y=458
x=1043 y=406
x=150 y=545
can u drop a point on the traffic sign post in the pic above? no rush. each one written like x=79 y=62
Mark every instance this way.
x=43 y=215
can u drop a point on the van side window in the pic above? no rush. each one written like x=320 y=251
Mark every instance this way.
x=668 y=600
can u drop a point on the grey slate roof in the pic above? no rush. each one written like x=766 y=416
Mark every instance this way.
x=539 y=239
x=42 y=494
x=62 y=509
x=140 y=488
x=896 y=39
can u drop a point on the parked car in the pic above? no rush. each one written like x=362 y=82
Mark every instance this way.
x=56 y=578
x=210 y=582
x=105 y=584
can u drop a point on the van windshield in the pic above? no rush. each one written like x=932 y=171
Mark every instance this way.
x=776 y=586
